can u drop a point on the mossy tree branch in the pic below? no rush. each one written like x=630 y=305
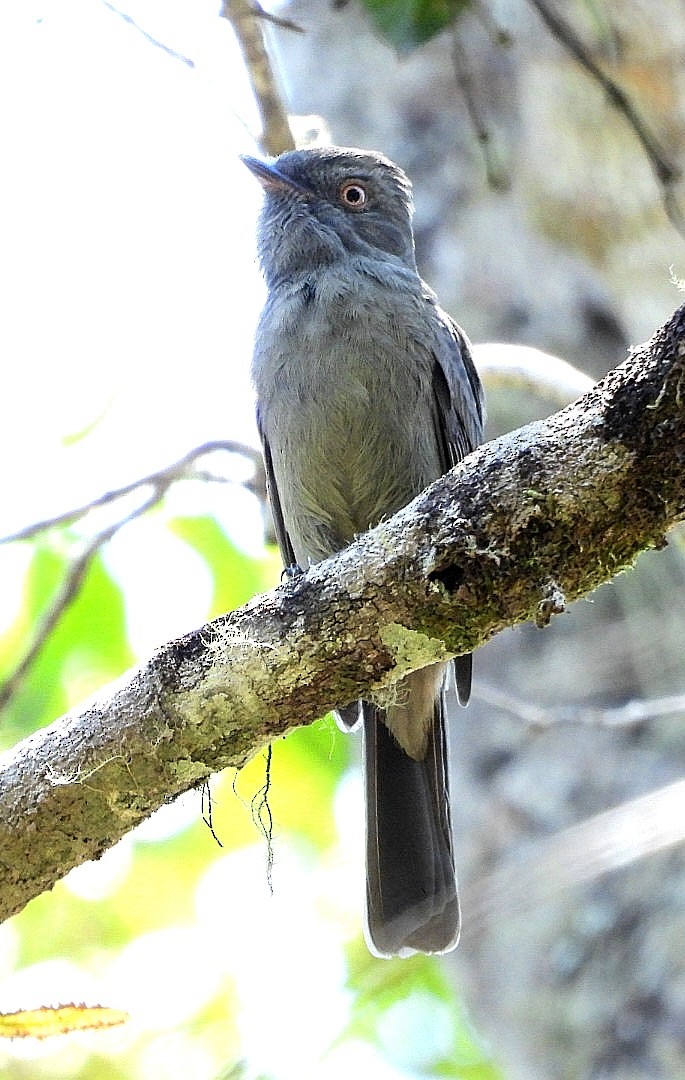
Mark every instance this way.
x=547 y=512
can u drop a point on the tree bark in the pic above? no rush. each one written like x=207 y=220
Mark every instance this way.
x=529 y=521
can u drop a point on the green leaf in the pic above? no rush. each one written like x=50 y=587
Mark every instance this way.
x=237 y=576
x=407 y=24
x=86 y=649
x=73 y=437
x=396 y=996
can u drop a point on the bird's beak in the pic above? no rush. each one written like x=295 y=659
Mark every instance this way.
x=270 y=178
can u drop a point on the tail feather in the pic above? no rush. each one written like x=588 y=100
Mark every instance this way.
x=412 y=902
x=463 y=667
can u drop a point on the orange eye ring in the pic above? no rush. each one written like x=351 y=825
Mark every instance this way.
x=353 y=195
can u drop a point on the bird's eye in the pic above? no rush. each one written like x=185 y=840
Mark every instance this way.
x=353 y=194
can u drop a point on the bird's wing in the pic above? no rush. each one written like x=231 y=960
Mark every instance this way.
x=284 y=542
x=459 y=420
x=458 y=394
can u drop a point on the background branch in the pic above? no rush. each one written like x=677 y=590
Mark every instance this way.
x=160 y=481
x=562 y=504
x=246 y=20
x=665 y=170
x=539 y=716
x=148 y=37
x=497 y=173
x=604 y=842
x=521 y=367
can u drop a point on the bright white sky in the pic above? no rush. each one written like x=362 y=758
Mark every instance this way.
x=126 y=244
x=128 y=283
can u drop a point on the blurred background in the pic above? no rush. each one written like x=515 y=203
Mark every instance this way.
x=130 y=294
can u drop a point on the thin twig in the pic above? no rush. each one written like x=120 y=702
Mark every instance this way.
x=148 y=37
x=543 y=716
x=276 y=135
x=497 y=176
x=666 y=172
x=277 y=20
x=160 y=481
x=498 y=33
x=68 y=591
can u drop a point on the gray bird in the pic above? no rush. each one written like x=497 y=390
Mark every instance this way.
x=366 y=393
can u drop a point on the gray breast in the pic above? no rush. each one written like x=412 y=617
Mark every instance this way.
x=346 y=397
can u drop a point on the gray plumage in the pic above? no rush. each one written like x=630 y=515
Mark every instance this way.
x=366 y=393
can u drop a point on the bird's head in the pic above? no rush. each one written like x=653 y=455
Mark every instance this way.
x=327 y=203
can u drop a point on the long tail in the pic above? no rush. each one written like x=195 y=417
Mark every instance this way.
x=411 y=889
